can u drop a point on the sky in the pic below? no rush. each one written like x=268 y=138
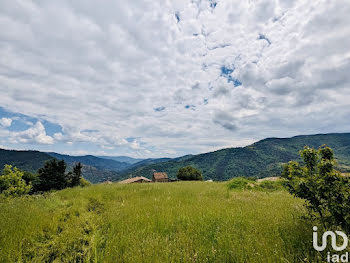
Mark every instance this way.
x=165 y=78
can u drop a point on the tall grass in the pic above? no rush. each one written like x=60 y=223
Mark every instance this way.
x=169 y=222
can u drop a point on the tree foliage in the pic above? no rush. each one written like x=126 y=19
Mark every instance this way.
x=75 y=176
x=326 y=191
x=53 y=176
x=32 y=179
x=12 y=182
x=15 y=182
x=189 y=173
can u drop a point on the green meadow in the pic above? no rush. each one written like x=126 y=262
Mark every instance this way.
x=161 y=222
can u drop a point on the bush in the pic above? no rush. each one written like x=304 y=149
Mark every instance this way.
x=327 y=192
x=32 y=179
x=84 y=182
x=270 y=185
x=189 y=173
x=240 y=183
x=12 y=182
x=247 y=183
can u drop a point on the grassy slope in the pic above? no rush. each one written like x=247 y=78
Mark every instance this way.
x=263 y=158
x=175 y=222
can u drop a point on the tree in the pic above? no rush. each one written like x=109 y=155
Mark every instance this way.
x=53 y=176
x=189 y=173
x=75 y=176
x=31 y=178
x=326 y=191
x=12 y=183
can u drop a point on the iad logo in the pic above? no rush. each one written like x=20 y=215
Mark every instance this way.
x=334 y=243
x=333 y=240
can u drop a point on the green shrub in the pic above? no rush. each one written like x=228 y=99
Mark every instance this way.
x=240 y=183
x=12 y=183
x=33 y=179
x=84 y=182
x=270 y=185
x=326 y=191
x=246 y=183
x=189 y=173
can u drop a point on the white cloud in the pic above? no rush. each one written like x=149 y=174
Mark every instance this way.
x=34 y=135
x=4 y=147
x=106 y=66
x=6 y=122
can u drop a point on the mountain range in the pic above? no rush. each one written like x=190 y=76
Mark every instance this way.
x=123 y=159
x=261 y=159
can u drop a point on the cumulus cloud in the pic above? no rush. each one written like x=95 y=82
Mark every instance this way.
x=34 y=135
x=6 y=122
x=180 y=76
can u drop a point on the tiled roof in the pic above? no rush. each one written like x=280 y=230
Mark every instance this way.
x=135 y=179
x=160 y=175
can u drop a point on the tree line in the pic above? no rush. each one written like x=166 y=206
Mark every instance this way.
x=53 y=176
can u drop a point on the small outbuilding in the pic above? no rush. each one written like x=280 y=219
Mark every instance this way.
x=138 y=179
x=160 y=177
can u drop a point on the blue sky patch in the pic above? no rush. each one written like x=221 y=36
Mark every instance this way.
x=263 y=37
x=21 y=122
x=131 y=139
x=213 y=3
x=235 y=82
x=226 y=73
x=51 y=128
x=188 y=106
x=177 y=16
x=158 y=109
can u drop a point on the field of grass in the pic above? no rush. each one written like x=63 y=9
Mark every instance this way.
x=169 y=222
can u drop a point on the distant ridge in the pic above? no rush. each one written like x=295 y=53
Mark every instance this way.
x=27 y=160
x=99 y=163
x=124 y=159
x=261 y=159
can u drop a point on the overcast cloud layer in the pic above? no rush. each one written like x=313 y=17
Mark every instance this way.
x=168 y=78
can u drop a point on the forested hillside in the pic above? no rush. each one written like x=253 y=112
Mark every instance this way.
x=95 y=169
x=30 y=161
x=262 y=159
x=99 y=163
x=123 y=159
